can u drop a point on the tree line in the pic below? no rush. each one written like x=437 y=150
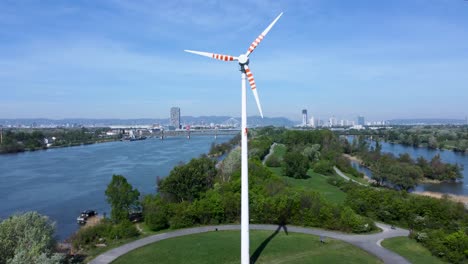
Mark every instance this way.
x=23 y=140
x=435 y=137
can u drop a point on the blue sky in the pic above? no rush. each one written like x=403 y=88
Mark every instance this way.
x=125 y=59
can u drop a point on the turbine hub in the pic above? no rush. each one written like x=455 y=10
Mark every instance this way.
x=243 y=59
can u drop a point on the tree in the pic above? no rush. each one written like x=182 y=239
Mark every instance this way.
x=27 y=238
x=295 y=165
x=312 y=152
x=188 y=182
x=122 y=198
x=230 y=164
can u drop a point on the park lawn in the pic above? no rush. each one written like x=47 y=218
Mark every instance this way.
x=316 y=182
x=265 y=247
x=411 y=250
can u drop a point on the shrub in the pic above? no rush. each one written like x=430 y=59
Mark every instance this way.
x=273 y=161
x=125 y=229
x=324 y=167
x=89 y=236
x=155 y=213
x=182 y=215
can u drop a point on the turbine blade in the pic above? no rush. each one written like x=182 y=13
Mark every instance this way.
x=213 y=55
x=261 y=36
x=253 y=86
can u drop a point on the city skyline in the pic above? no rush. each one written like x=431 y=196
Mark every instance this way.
x=125 y=59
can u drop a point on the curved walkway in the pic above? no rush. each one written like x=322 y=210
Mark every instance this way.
x=272 y=149
x=342 y=175
x=370 y=243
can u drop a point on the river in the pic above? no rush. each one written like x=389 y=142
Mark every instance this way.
x=458 y=188
x=62 y=182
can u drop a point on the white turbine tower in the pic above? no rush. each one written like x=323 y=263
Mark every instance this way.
x=243 y=60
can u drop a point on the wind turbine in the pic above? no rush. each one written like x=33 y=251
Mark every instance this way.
x=243 y=60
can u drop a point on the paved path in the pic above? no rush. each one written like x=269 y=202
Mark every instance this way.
x=370 y=243
x=341 y=174
x=272 y=149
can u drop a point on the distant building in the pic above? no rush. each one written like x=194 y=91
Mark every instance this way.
x=304 y=117
x=332 y=121
x=361 y=121
x=175 y=117
x=312 y=121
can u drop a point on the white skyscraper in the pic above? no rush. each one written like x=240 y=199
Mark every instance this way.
x=312 y=122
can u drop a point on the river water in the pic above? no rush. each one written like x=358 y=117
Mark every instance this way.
x=458 y=188
x=63 y=182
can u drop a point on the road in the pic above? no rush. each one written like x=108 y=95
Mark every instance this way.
x=370 y=243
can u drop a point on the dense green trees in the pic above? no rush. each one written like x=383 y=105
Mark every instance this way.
x=28 y=238
x=295 y=165
x=122 y=198
x=271 y=200
x=259 y=147
x=439 y=224
x=187 y=182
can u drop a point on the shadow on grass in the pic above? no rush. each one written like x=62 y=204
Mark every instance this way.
x=264 y=244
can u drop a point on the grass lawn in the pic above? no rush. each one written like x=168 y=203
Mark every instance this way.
x=265 y=247
x=411 y=250
x=316 y=182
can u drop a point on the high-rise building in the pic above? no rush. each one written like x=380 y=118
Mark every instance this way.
x=332 y=121
x=361 y=121
x=304 y=117
x=312 y=121
x=175 y=117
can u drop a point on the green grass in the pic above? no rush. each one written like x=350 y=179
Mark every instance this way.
x=411 y=250
x=224 y=247
x=316 y=182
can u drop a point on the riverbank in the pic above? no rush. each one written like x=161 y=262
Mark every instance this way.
x=353 y=158
x=58 y=147
x=456 y=198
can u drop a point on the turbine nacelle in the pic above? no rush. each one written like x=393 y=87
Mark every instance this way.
x=243 y=59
